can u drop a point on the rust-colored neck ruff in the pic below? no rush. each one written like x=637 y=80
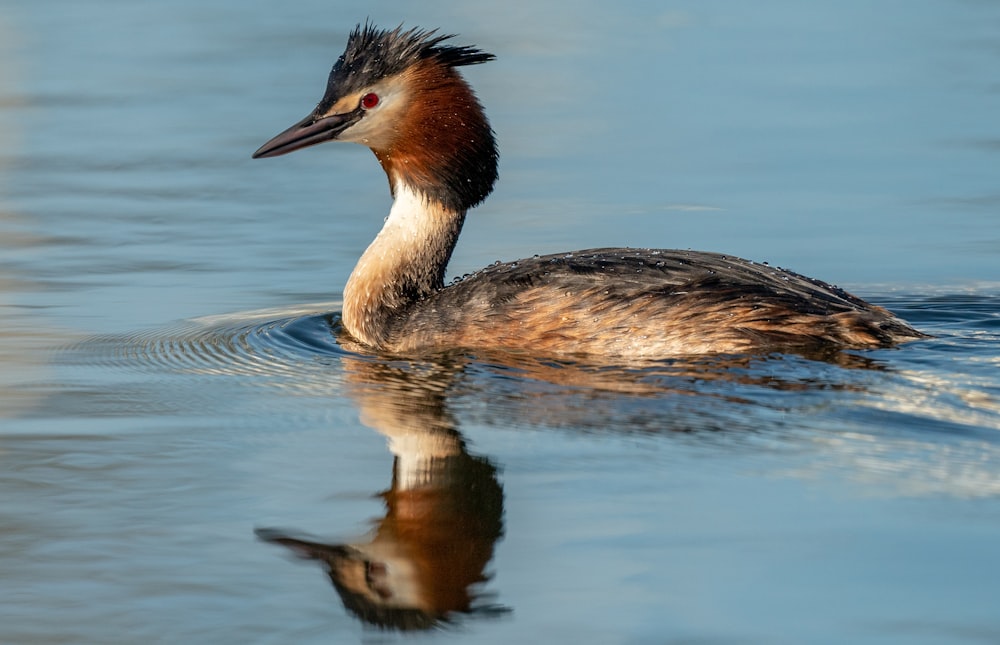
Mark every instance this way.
x=442 y=161
x=444 y=147
x=405 y=263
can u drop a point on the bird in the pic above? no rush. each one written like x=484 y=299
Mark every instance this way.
x=399 y=92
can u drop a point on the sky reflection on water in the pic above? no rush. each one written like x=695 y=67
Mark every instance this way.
x=776 y=499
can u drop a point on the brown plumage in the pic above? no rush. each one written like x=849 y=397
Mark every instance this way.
x=398 y=92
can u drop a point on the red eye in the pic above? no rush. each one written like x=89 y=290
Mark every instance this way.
x=370 y=100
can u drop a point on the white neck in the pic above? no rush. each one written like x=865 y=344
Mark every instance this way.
x=404 y=263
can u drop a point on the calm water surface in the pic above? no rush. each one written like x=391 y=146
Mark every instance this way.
x=178 y=420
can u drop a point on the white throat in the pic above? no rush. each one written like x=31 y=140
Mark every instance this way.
x=410 y=215
x=406 y=261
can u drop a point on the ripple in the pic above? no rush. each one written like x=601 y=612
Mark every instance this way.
x=919 y=420
x=279 y=343
x=949 y=380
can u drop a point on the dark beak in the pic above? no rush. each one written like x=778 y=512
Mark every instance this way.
x=307 y=132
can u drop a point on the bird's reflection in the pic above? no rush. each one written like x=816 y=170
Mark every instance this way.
x=426 y=560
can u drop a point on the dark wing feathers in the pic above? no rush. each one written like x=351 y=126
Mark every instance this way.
x=669 y=299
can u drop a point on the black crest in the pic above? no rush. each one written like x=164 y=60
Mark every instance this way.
x=373 y=54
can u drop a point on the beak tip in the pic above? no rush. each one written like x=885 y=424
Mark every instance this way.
x=269 y=149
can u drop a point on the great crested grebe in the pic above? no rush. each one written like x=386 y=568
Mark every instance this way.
x=399 y=93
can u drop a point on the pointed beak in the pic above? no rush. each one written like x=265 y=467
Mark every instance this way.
x=307 y=132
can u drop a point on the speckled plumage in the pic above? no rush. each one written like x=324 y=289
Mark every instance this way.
x=642 y=303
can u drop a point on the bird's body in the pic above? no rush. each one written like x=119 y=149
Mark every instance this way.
x=602 y=302
x=398 y=93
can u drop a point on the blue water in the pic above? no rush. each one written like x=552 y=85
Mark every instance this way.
x=170 y=379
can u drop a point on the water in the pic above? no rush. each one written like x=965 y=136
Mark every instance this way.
x=171 y=380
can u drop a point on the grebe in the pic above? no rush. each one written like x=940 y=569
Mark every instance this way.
x=399 y=93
